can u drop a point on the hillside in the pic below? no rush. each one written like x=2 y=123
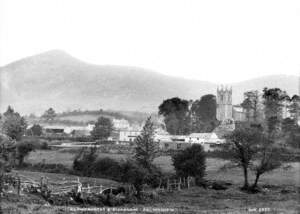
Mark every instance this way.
x=56 y=79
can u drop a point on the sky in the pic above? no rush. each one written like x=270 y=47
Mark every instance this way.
x=218 y=41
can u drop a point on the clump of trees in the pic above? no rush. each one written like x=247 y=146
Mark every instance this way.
x=103 y=129
x=259 y=144
x=13 y=124
x=190 y=162
x=13 y=148
x=49 y=115
x=138 y=170
x=146 y=149
x=183 y=117
x=35 y=130
x=176 y=115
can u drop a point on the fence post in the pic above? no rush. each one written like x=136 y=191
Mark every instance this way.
x=19 y=185
x=88 y=188
x=79 y=186
x=168 y=185
x=188 y=182
x=179 y=184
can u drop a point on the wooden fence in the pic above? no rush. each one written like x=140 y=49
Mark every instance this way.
x=24 y=184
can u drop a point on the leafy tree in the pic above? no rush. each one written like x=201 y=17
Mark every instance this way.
x=294 y=108
x=176 y=115
x=242 y=146
x=273 y=99
x=190 y=162
x=35 y=130
x=9 y=111
x=146 y=148
x=103 y=129
x=253 y=149
x=84 y=161
x=251 y=106
x=134 y=174
x=291 y=132
x=23 y=149
x=268 y=158
x=7 y=154
x=13 y=125
x=203 y=113
x=49 y=115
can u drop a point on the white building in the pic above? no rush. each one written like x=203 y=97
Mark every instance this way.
x=128 y=135
x=85 y=130
x=204 y=139
x=120 y=124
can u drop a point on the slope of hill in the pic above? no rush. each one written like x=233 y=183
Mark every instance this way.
x=56 y=79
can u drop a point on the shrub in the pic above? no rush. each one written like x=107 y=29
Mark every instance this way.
x=46 y=167
x=105 y=167
x=134 y=174
x=84 y=161
x=23 y=149
x=190 y=162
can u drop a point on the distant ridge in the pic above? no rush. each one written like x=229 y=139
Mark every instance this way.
x=57 y=79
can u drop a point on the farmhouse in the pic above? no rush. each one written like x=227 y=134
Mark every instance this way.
x=128 y=135
x=69 y=130
x=54 y=130
x=121 y=124
x=201 y=138
x=207 y=140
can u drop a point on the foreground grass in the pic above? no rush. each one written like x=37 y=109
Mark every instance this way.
x=280 y=188
x=193 y=200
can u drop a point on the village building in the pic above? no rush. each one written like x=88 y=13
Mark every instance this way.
x=120 y=124
x=128 y=135
x=67 y=130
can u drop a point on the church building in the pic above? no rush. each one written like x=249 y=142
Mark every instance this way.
x=225 y=109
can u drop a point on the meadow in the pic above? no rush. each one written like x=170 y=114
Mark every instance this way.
x=280 y=188
x=214 y=168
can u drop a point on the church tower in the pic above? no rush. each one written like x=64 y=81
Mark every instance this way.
x=224 y=103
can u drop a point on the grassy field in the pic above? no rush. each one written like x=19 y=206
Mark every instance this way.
x=213 y=169
x=61 y=156
x=280 y=193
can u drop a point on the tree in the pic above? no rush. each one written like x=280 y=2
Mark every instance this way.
x=35 y=130
x=103 y=129
x=268 y=158
x=251 y=106
x=84 y=160
x=241 y=147
x=49 y=115
x=7 y=157
x=273 y=99
x=294 y=108
x=134 y=174
x=252 y=148
x=176 y=115
x=146 y=148
x=203 y=114
x=23 y=149
x=291 y=132
x=13 y=125
x=190 y=162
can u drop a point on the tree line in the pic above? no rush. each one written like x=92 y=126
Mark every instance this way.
x=182 y=117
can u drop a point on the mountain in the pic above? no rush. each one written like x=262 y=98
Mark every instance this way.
x=56 y=79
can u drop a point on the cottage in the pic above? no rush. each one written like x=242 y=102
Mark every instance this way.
x=128 y=135
x=207 y=140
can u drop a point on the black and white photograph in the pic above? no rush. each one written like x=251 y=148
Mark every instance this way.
x=149 y=106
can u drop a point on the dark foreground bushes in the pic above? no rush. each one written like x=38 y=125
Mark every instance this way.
x=87 y=164
x=46 y=167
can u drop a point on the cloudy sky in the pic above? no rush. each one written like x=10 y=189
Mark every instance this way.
x=219 y=41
